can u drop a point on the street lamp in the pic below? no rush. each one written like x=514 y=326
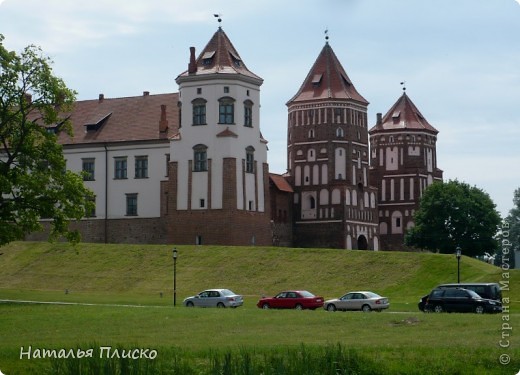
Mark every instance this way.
x=458 y=254
x=174 y=276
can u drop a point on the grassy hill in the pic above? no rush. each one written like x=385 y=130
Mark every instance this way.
x=101 y=273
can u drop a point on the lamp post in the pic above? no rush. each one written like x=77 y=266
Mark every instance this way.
x=174 y=276
x=458 y=254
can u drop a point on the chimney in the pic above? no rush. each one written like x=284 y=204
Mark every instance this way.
x=379 y=118
x=101 y=97
x=192 y=66
x=146 y=93
x=163 y=123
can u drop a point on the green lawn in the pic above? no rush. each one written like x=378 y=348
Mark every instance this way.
x=401 y=340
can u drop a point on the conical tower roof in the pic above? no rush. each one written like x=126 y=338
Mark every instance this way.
x=403 y=115
x=327 y=80
x=218 y=57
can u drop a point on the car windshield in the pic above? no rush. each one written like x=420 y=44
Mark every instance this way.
x=473 y=294
x=372 y=295
x=306 y=294
x=227 y=292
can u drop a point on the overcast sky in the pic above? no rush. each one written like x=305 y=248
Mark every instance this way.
x=460 y=60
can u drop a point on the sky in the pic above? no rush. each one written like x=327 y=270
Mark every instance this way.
x=460 y=60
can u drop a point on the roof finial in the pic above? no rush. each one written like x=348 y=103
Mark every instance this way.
x=219 y=19
x=404 y=86
x=327 y=35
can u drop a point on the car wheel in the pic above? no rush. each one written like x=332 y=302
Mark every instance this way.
x=366 y=308
x=479 y=309
x=438 y=309
x=298 y=307
x=266 y=306
x=331 y=307
x=189 y=304
x=220 y=305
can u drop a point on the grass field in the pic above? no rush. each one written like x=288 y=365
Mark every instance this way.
x=247 y=339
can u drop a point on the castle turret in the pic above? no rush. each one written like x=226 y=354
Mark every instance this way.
x=328 y=161
x=403 y=163
x=219 y=181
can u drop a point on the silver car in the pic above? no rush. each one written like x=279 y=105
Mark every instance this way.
x=214 y=298
x=363 y=301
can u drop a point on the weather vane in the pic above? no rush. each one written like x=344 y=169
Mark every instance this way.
x=219 y=18
x=327 y=35
x=404 y=86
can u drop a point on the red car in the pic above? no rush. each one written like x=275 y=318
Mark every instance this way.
x=291 y=299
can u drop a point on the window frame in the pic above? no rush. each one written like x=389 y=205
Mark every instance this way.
x=131 y=204
x=199 y=112
x=226 y=111
x=89 y=173
x=141 y=167
x=200 y=164
x=120 y=168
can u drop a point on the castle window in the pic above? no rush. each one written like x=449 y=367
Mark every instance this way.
x=88 y=167
x=248 y=113
x=202 y=203
x=236 y=60
x=131 y=204
x=199 y=112
x=316 y=80
x=312 y=202
x=226 y=111
x=311 y=133
x=207 y=58
x=199 y=91
x=200 y=158
x=120 y=168
x=141 y=167
x=340 y=133
x=226 y=89
x=250 y=159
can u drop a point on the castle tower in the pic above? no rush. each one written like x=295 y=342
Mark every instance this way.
x=328 y=160
x=218 y=189
x=403 y=163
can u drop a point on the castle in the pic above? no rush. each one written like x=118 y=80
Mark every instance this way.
x=191 y=167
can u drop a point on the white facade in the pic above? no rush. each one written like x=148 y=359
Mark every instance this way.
x=230 y=144
x=105 y=184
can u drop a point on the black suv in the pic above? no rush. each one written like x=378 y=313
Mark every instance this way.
x=460 y=300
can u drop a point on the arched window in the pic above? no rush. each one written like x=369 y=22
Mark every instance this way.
x=226 y=110
x=199 y=111
x=312 y=202
x=200 y=158
x=248 y=113
x=250 y=159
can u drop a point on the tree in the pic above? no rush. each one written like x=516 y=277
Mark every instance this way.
x=454 y=214
x=34 y=182
x=510 y=235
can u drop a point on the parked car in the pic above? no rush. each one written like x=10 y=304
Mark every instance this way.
x=291 y=299
x=363 y=301
x=214 y=298
x=460 y=300
x=484 y=290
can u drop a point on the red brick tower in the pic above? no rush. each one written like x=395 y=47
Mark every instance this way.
x=403 y=163
x=328 y=161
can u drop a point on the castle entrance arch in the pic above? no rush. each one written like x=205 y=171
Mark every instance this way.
x=362 y=243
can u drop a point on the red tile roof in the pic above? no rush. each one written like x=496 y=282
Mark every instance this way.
x=281 y=183
x=327 y=80
x=403 y=115
x=135 y=118
x=220 y=56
